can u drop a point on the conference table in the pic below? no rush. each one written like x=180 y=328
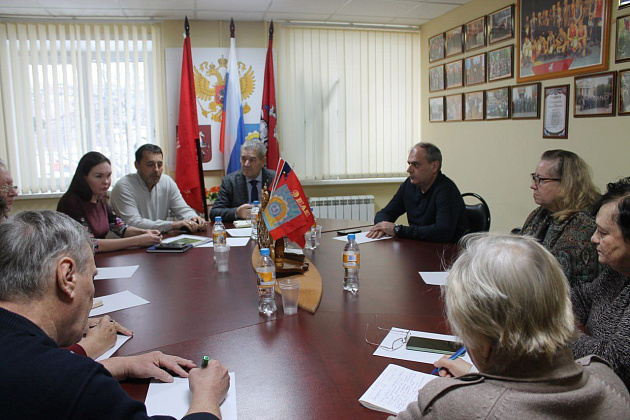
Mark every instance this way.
x=304 y=366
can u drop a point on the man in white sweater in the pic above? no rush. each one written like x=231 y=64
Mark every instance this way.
x=145 y=198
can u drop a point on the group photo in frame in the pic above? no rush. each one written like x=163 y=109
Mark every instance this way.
x=498 y=104
x=501 y=25
x=454 y=108
x=475 y=69
x=526 y=102
x=474 y=106
x=594 y=95
x=436 y=48
x=622 y=50
x=454 y=41
x=559 y=40
x=556 y=112
x=454 y=74
x=475 y=34
x=436 y=109
x=501 y=63
x=624 y=92
x=436 y=78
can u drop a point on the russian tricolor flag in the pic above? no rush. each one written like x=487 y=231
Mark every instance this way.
x=232 y=123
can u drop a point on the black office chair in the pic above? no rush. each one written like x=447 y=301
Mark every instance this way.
x=478 y=214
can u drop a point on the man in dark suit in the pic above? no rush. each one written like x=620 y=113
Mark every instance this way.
x=241 y=188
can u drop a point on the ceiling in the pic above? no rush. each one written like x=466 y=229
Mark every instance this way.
x=392 y=12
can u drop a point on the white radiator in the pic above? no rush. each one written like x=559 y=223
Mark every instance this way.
x=350 y=207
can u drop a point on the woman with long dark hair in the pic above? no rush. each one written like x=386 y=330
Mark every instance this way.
x=86 y=202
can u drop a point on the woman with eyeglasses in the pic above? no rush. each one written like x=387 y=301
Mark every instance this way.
x=507 y=298
x=86 y=202
x=563 y=222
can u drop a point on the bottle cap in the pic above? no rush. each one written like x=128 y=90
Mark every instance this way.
x=351 y=237
x=256 y=203
x=264 y=251
x=218 y=219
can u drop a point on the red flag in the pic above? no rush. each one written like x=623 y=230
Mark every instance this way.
x=187 y=168
x=269 y=115
x=288 y=212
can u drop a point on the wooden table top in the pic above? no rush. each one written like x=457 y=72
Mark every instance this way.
x=302 y=366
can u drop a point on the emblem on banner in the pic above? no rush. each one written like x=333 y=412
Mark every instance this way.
x=210 y=86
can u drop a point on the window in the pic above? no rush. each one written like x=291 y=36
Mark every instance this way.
x=71 y=88
x=349 y=101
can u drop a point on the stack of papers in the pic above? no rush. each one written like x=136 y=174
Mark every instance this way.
x=395 y=389
x=361 y=238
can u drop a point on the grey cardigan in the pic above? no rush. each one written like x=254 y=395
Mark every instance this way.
x=584 y=389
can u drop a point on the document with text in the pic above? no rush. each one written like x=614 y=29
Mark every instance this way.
x=395 y=389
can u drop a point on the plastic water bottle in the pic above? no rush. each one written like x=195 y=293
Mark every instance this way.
x=254 y=219
x=351 y=263
x=219 y=234
x=266 y=280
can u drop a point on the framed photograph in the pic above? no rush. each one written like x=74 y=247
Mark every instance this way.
x=436 y=78
x=526 y=102
x=475 y=69
x=624 y=92
x=623 y=3
x=556 y=116
x=475 y=34
x=595 y=95
x=500 y=63
x=454 y=74
x=622 y=52
x=474 y=106
x=454 y=108
x=436 y=47
x=436 y=109
x=561 y=40
x=454 y=41
x=498 y=104
x=501 y=25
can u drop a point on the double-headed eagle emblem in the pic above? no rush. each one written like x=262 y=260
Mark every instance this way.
x=210 y=87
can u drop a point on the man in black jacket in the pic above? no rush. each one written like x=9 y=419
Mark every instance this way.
x=434 y=206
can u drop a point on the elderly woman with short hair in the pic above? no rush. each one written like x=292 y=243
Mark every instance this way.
x=603 y=306
x=563 y=223
x=508 y=300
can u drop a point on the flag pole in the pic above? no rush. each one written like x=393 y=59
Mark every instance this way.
x=202 y=182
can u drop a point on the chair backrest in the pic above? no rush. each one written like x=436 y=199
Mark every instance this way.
x=478 y=214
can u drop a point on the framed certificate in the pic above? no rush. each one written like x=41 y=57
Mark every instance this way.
x=556 y=113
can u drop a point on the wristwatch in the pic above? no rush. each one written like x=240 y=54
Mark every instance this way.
x=397 y=229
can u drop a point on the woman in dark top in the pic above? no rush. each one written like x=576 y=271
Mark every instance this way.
x=86 y=202
x=563 y=223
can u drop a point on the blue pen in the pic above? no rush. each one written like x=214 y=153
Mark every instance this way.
x=455 y=355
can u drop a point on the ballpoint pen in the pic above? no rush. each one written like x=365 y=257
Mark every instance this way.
x=455 y=355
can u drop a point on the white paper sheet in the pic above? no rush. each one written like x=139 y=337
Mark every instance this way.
x=239 y=224
x=120 y=340
x=173 y=399
x=394 y=389
x=232 y=242
x=413 y=355
x=434 y=278
x=361 y=238
x=118 y=301
x=189 y=239
x=240 y=232
x=105 y=273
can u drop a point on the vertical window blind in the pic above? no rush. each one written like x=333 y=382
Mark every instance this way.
x=71 y=88
x=349 y=101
